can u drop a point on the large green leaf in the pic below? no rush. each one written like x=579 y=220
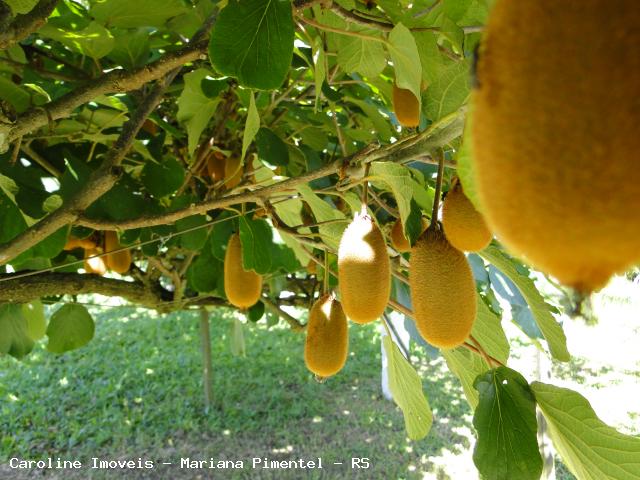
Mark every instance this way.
x=70 y=327
x=505 y=419
x=550 y=328
x=323 y=212
x=465 y=165
x=195 y=108
x=406 y=60
x=94 y=40
x=467 y=365
x=252 y=40
x=448 y=92
x=33 y=312
x=252 y=125
x=20 y=7
x=359 y=55
x=163 y=178
x=138 y=13
x=257 y=239
x=14 y=331
x=407 y=392
x=271 y=148
x=591 y=449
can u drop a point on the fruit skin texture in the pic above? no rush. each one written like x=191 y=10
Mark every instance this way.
x=364 y=273
x=463 y=225
x=242 y=287
x=94 y=265
x=443 y=291
x=406 y=107
x=327 y=344
x=118 y=262
x=216 y=164
x=232 y=172
x=555 y=135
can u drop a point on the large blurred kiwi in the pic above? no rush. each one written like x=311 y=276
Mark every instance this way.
x=242 y=287
x=443 y=291
x=364 y=273
x=118 y=262
x=406 y=107
x=463 y=225
x=327 y=344
x=555 y=135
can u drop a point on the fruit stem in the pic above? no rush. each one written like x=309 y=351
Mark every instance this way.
x=365 y=194
x=436 y=198
x=478 y=348
x=325 y=278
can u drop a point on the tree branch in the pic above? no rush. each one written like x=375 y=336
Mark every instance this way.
x=295 y=325
x=23 y=25
x=417 y=146
x=115 y=81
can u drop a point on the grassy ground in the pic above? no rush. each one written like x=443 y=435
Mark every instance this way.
x=135 y=392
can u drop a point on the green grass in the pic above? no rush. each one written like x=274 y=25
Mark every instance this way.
x=136 y=391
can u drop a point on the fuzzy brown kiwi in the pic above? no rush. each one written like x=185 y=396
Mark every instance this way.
x=406 y=107
x=232 y=172
x=364 y=273
x=327 y=343
x=443 y=291
x=242 y=287
x=555 y=135
x=119 y=262
x=463 y=225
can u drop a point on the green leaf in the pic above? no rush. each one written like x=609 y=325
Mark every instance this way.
x=20 y=7
x=319 y=73
x=322 y=211
x=505 y=419
x=455 y=9
x=406 y=60
x=195 y=107
x=93 y=41
x=399 y=179
x=465 y=165
x=205 y=274
x=164 y=178
x=131 y=49
x=196 y=239
x=14 y=331
x=12 y=221
x=256 y=237
x=407 y=392
x=70 y=327
x=33 y=312
x=256 y=312
x=448 y=92
x=550 y=328
x=271 y=148
x=466 y=365
x=252 y=40
x=591 y=449
x=430 y=56
x=138 y=13
x=251 y=126
x=359 y=55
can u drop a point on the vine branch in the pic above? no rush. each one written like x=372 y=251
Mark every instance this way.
x=23 y=25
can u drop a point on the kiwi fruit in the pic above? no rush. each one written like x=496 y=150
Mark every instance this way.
x=399 y=242
x=216 y=164
x=327 y=343
x=232 y=172
x=84 y=243
x=312 y=268
x=555 y=135
x=406 y=107
x=463 y=225
x=119 y=262
x=364 y=273
x=94 y=265
x=443 y=291
x=242 y=287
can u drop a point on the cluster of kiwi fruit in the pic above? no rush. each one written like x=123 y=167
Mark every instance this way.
x=97 y=244
x=220 y=168
x=443 y=290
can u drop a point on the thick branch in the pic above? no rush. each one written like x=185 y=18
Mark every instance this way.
x=116 y=81
x=23 y=25
x=418 y=146
x=25 y=289
x=98 y=183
